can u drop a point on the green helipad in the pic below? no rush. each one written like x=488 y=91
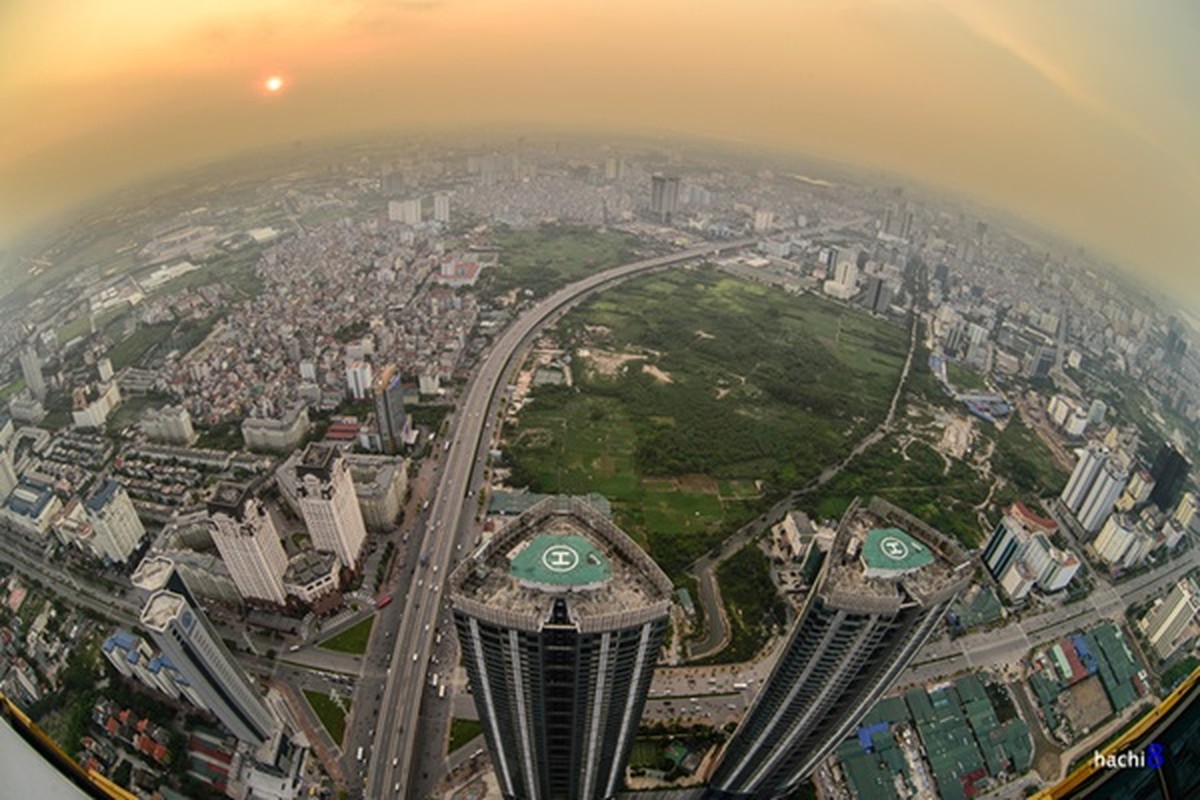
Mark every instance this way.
x=555 y=560
x=893 y=550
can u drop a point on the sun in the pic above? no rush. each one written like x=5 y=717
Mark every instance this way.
x=273 y=84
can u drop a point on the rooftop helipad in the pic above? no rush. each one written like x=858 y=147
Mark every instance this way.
x=560 y=560
x=893 y=550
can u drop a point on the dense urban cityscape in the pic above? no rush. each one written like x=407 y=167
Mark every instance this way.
x=585 y=469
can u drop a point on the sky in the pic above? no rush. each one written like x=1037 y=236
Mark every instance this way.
x=1081 y=116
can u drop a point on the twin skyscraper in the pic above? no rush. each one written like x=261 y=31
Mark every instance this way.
x=561 y=617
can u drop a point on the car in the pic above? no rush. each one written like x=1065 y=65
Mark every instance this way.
x=396 y=762
x=414 y=657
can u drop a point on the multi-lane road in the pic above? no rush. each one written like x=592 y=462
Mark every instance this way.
x=452 y=528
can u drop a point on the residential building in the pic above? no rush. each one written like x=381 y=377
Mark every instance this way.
x=117 y=530
x=664 y=197
x=31 y=370
x=169 y=424
x=1019 y=554
x=1102 y=497
x=441 y=208
x=8 y=473
x=31 y=507
x=380 y=483
x=93 y=404
x=276 y=435
x=560 y=618
x=180 y=629
x=885 y=585
x=1170 y=624
x=358 y=380
x=1087 y=467
x=329 y=504
x=1187 y=513
x=245 y=535
x=1115 y=539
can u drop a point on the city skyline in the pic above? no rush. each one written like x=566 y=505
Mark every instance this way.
x=1021 y=105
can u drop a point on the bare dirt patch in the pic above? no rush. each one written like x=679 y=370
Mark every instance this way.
x=659 y=375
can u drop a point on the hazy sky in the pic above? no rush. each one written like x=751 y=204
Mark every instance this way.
x=1080 y=115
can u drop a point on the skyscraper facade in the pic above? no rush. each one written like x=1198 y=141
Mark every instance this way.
x=389 y=409
x=248 y=541
x=1170 y=472
x=114 y=521
x=664 y=196
x=31 y=370
x=560 y=617
x=1091 y=459
x=886 y=583
x=183 y=633
x=1106 y=489
x=328 y=503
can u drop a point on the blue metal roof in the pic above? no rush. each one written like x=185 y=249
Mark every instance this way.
x=29 y=499
x=103 y=495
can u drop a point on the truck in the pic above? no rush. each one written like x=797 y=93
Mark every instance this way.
x=442 y=691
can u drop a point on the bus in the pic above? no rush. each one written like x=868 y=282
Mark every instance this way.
x=383 y=601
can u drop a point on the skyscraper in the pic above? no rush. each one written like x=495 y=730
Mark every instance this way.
x=114 y=521
x=325 y=492
x=248 y=541
x=358 y=379
x=560 y=618
x=1102 y=497
x=664 y=196
x=885 y=585
x=1170 y=472
x=183 y=633
x=31 y=369
x=389 y=409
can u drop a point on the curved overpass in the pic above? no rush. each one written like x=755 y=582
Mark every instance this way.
x=451 y=522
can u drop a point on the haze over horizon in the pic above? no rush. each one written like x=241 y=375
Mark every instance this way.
x=1079 y=116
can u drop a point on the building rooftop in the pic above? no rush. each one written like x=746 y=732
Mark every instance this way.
x=29 y=498
x=561 y=549
x=317 y=459
x=552 y=560
x=882 y=557
x=153 y=573
x=161 y=609
x=229 y=498
x=891 y=550
x=309 y=566
x=103 y=496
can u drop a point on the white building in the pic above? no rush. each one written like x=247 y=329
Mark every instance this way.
x=441 y=208
x=406 y=211
x=278 y=435
x=329 y=504
x=171 y=424
x=1169 y=625
x=31 y=507
x=358 y=380
x=115 y=524
x=1115 y=539
x=249 y=544
x=1087 y=467
x=1187 y=513
x=91 y=409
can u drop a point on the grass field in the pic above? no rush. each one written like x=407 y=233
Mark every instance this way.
x=12 y=388
x=546 y=258
x=331 y=716
x=353 y=640
x=963 y=378
x=1027 y=462
x=463 y=731
x=759 y=386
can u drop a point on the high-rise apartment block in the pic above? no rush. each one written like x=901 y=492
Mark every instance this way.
x=180 y=629
x=664 y=197
x=171 y=424
x=246 y=537
x=560 y=617
x=1094 y=487
x=114 y=520
x=884 y=587
x=1019 y=554
x=31 y=370
x=1170 y=624
x=441 y=208
x=358 y=380
x=325 y=492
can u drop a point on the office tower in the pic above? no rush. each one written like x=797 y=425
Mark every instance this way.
x=248 y=541
x=879 y=294
x=1169 y=625
x=325 y=492
x=1170 y=472
x=114 y=522
x=389 y=409
x=31 y=369
x=441 y=208
x=1006 y=544
x=884 y=587
x=358 y=380
x=183 y=633
x=1102 y=497
x=560 y=617
x=664 y=196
